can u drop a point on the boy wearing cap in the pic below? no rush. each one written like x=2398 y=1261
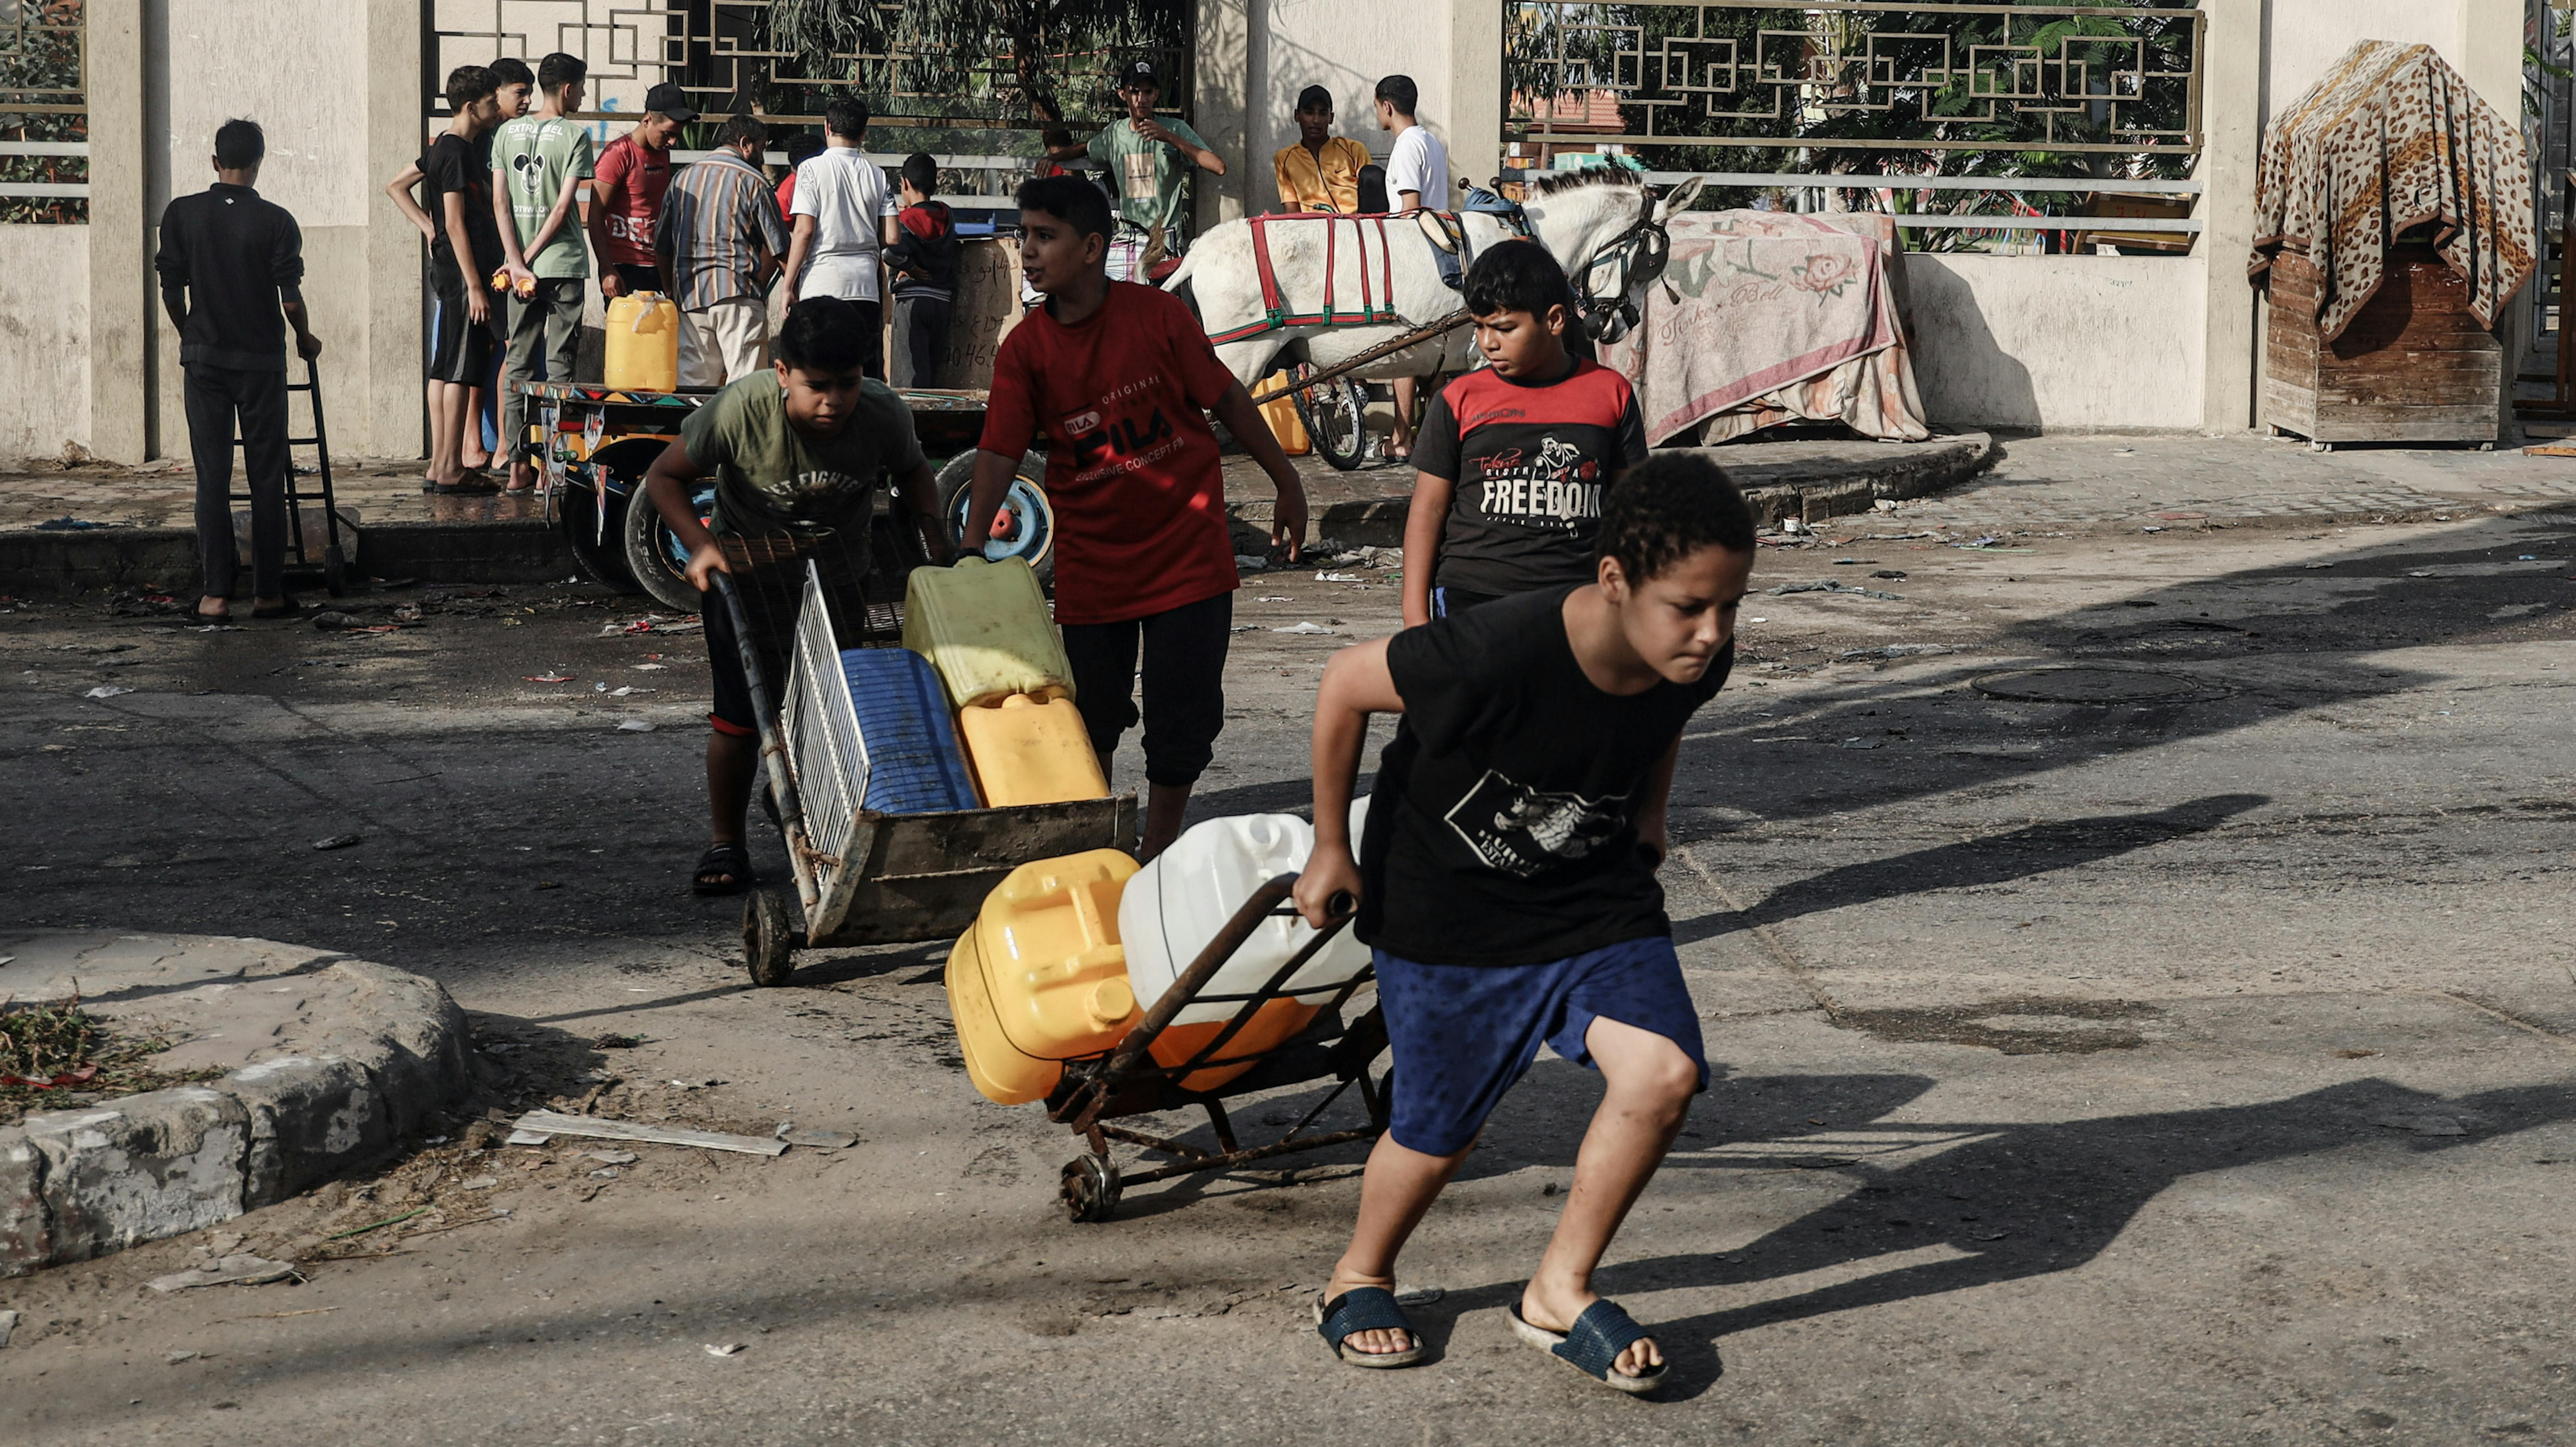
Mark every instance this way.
x=633 y=175
x=1149 y=161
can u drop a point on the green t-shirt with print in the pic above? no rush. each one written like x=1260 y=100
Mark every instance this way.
x=535 y=158
x=1149 y=177
x=769 y=475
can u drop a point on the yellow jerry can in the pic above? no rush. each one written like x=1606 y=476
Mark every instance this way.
x=643 y=343
x=1024 y=749
x=985 y=627
x=1040 y=977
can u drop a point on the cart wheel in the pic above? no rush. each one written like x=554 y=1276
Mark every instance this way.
x=1334 y=421
x=578 y=518
x=655 y=558
x=1090 y=1190
x=335 y=573
x=1032 y=532
x=768 y=938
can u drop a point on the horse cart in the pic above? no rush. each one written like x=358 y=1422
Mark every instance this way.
x=597 y=442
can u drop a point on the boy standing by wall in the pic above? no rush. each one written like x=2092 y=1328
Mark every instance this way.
x=802 y=446
x=1149 y=161
x=464 y=247
x=1507 y=888
x=1514 y=458
x=231 y=265
x=537 y=162
x=844 y=217
x=923 y=266
x=1417 y=175
x=633 y=176
x=1322 y=171
x=1118 y=376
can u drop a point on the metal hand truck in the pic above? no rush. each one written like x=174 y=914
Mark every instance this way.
x=333 y=566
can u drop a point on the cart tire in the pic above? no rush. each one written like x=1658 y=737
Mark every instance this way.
x=1335 y=421
x=768 y=938
x=335 y=573
x=1090 y=1191
x=648 y=548
x=1027 y=501
x=601 y=562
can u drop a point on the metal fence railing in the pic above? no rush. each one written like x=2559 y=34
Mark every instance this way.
x=44 y=111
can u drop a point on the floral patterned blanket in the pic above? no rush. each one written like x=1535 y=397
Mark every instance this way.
x=2392 y=137
x=1770 y=316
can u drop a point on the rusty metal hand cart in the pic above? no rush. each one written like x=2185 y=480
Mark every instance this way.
x=1130 y=1082
x=313 y=546
x=861 y=877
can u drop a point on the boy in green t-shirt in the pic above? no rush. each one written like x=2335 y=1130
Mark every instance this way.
x=796 y=448
x=536 y=162
x=1149 y=160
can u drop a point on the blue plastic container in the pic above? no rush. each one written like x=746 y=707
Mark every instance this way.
x=914 y=764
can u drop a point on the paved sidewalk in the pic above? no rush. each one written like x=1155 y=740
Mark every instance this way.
x=164 y=494
x=2070 y=481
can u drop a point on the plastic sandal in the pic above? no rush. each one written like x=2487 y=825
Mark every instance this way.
x=1600 y=1334
x=719 y=862
x=1366 y=1308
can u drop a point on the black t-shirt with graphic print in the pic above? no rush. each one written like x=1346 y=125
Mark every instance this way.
x=1503 y=826
x=1527 y=461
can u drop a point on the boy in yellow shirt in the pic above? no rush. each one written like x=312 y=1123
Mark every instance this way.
x=1322 y=171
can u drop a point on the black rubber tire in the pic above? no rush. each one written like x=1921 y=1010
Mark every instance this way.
x=600 y=561
x=644 y=541
x=957 y=478
x=335 y=573
x=768 y=938
x=1089 y=1189
x=1335 y=420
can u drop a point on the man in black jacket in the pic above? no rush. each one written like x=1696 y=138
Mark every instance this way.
x=232 y=273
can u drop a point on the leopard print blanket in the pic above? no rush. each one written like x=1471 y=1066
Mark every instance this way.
x=2393 y=137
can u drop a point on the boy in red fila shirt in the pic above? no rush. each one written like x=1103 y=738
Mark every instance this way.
x=1513 y=459
x=1119 y=378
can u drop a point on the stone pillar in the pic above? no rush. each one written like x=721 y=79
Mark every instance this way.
x=1221 y=70
x=122 y=292
x=394 y=422
x=2231 y=90
x=1475 y=92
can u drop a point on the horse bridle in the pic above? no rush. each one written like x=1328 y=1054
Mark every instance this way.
x=1640 y=253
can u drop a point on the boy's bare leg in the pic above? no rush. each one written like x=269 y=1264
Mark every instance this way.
x=1650 y=1085
x=471 y=452
x=1400 y=444
x=1399 y=1186
x=446 y=432
x=732 y=760
x=1165 y=804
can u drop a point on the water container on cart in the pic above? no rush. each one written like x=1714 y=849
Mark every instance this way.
x=643 y=338
x=1178 y=902
x=1039 y=978
x=913 y=763
x=1030 y=750
x=985 y=626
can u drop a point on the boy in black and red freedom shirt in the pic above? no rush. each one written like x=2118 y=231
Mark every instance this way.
x=1513 y=459
x=1119 y=377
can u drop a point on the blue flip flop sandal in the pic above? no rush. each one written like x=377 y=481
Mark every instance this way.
x=1367 y=1308
x=1600 y=1334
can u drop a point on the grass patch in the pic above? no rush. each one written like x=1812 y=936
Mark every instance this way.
x=43 y=1042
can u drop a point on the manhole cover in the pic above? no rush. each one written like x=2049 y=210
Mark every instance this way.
x=2088 y=685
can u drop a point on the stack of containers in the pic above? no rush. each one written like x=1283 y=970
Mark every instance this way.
x=1039 y=978
x=984 y=627
x=914 y=766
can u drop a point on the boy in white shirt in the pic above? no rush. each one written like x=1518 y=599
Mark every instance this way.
x=845 y=218
x=1417 y=175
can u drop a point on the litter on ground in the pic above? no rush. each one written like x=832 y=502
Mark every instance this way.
x=242 y=1270
x=599 y=1128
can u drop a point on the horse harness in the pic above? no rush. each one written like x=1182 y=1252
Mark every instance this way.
x=1641 y=253
x=1376 y=305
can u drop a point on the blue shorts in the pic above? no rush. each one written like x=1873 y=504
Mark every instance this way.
x=1463 y=1034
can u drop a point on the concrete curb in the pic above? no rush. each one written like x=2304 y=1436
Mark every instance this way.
x=1809 y=481
x=81 y=1183
x=520 y=550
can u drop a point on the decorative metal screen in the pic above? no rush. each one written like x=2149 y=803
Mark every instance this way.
x=44 y=111
x=1856 y=73
x=981 y=64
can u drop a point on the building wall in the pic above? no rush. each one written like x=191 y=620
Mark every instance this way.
x=2066 y=343
x=44 y=335
x=1343 y=46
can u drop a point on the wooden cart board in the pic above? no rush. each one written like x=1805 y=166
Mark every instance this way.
x=924 y=876
x=2414 y=365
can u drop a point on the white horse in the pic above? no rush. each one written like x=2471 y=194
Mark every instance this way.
x=1603 y=227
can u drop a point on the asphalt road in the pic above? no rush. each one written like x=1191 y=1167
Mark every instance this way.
x=2177 y=1052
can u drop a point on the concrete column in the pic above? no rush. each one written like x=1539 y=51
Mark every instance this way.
x=2231 y=90
x=122 y=294
x=2489 y=51
x=1475 y=92
x=1221 y=68
x=393 y=421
